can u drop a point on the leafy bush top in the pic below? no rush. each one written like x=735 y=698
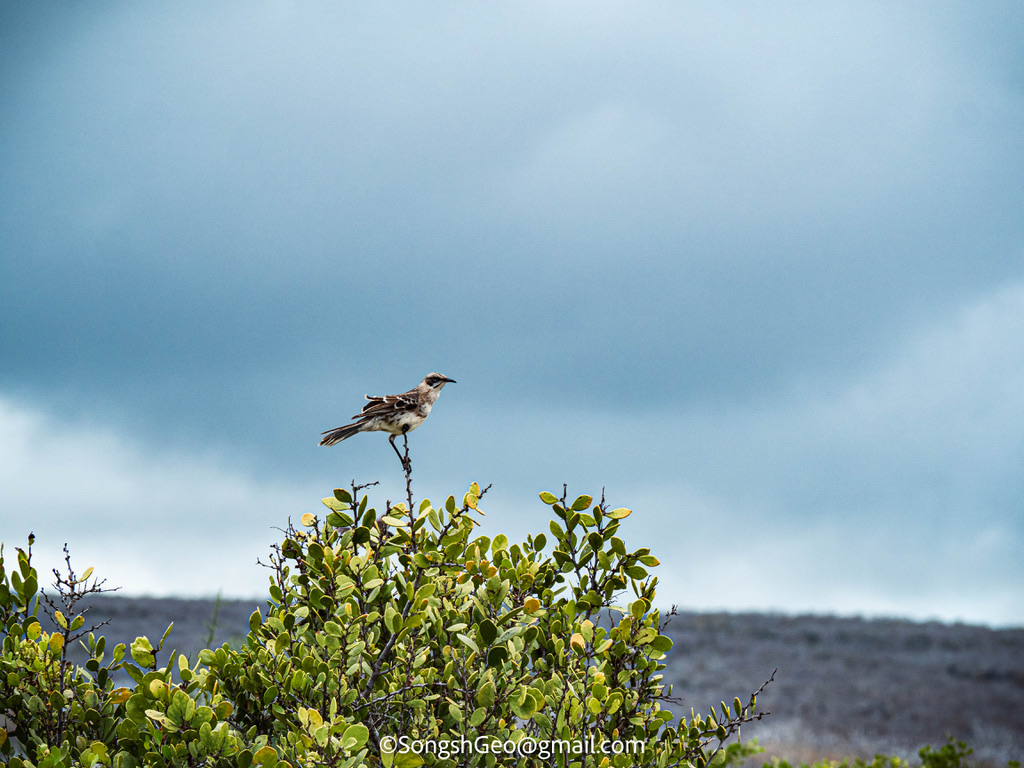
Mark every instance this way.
x=392 y=637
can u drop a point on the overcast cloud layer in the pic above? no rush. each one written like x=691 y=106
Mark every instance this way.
x=758 y=272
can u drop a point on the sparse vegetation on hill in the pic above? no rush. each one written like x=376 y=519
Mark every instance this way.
x=853 y=687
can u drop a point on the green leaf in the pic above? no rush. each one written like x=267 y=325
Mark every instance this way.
x=343 y=496
x=488 y=632
x=361 y=535
x=637 y=572
x=485 y=696
x=207 y=738
x=406 y=760
x=142 y=652
x=478 y=716
x=182 y=708
x=548 y=498
x=433 y=519
x=265 y=756
x=338 y=520
x=614 y=702
x=497 y=656
x=621 y=512
x=587 y=630
x=202 y=715
x=398 y=623
x=31 y=587
x=427 y=590
x=582 y=502
x=525 y=705
x=355 y=737
x=662 y=643
x=160 y=717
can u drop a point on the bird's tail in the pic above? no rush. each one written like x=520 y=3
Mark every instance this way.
x=338 y=434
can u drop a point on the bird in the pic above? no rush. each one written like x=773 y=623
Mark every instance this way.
x=394 y=414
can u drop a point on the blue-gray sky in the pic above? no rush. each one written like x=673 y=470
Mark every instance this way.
x=756 y=270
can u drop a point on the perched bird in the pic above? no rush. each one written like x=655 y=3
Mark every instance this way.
x=395 y=414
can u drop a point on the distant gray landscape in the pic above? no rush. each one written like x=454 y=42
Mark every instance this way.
x=844 y=686
x=855 y=687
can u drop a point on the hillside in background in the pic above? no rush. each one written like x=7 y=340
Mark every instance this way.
x=855 y=687
x=844 y=687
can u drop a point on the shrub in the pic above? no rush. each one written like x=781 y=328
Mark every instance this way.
x=394 y=637
x=954 y=754
x=56 y=715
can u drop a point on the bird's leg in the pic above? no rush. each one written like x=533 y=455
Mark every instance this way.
x=397 y=452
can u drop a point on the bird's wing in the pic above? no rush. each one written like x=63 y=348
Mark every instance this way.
x=377 y=406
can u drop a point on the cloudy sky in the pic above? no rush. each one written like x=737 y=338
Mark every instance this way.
x=755 y=270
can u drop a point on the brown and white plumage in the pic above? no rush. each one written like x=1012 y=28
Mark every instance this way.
x=394 y=414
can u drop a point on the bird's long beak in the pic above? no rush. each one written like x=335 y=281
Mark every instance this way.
x=450 y=381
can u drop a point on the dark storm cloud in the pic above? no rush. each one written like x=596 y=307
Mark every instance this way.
x=683 y=194
x=220 y=226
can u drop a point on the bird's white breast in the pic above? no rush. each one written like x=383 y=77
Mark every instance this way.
x=398 y=423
